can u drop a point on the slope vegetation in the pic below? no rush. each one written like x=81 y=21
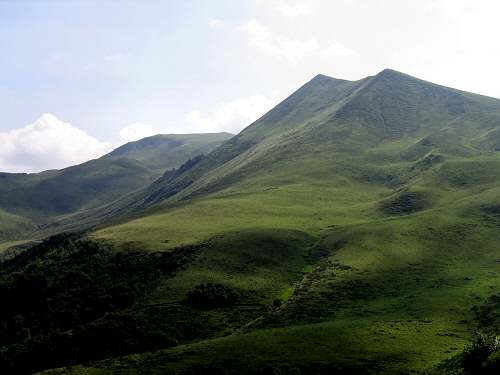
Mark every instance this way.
x=40 y=197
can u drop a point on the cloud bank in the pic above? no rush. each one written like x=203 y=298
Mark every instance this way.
x=48 y=143
x=230 y=116
x=290 y=8
x=287 y=49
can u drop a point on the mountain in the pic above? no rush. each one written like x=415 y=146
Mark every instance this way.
x=40 y=196
x=354 y=117
x=363 y=121
x=162 y=152
x=351 y=229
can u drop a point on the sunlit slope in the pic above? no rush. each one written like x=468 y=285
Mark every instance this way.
x=324 y=156
x=317 y=98
x=41 y=197
x=303 y=194
x=12 y=225
x=388 y=118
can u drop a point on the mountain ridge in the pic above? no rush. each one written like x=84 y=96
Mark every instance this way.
x=353 y=93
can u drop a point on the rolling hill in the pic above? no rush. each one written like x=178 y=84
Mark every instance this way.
x=351 y=229
x=163 y=152
x=40 y=196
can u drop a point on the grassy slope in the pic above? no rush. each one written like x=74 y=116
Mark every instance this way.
x=393 y=293
x=11 y=225
x=402 y=236
x=6 y=245
x=162 y=152
x=130 y=167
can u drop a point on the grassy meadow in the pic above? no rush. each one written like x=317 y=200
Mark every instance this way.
x=366 y=288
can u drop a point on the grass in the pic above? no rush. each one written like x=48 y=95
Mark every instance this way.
x=41 y=197
x=268 y=200
x=348 y=347
x=166 y=151
x=390 y=296
x=390 y=292
x=259 y=264
x=11 y=226
x=7 y=245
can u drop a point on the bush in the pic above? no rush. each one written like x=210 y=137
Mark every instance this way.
x=67 y=300
x=212 y=296
x=477 y=353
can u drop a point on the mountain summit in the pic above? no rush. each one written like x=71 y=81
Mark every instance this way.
x=328 y=116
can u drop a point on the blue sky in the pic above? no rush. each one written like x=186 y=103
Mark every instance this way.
x=106 y=72
x=103 y=67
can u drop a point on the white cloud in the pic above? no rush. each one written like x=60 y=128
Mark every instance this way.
x=337 y=49
x=215 y=23
x=460 y=8
x=134 y=132
x=48 y=143
x=277 y=45
x=290 y=50
x=232 y=116
x=291 y=9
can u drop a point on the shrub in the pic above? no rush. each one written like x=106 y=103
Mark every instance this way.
x=211 y=296
x=479 y=351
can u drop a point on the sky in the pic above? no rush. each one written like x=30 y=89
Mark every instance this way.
x=79 y=78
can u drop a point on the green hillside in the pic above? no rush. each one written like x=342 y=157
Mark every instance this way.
x=334 y=134
x=12 y=225
x=389 y=118
x=352 y=229
x=162 y=152
x=43 y=196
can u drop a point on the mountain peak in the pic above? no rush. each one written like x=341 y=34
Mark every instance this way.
x=321 y=76
x=386 y=73
x=391 y=73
